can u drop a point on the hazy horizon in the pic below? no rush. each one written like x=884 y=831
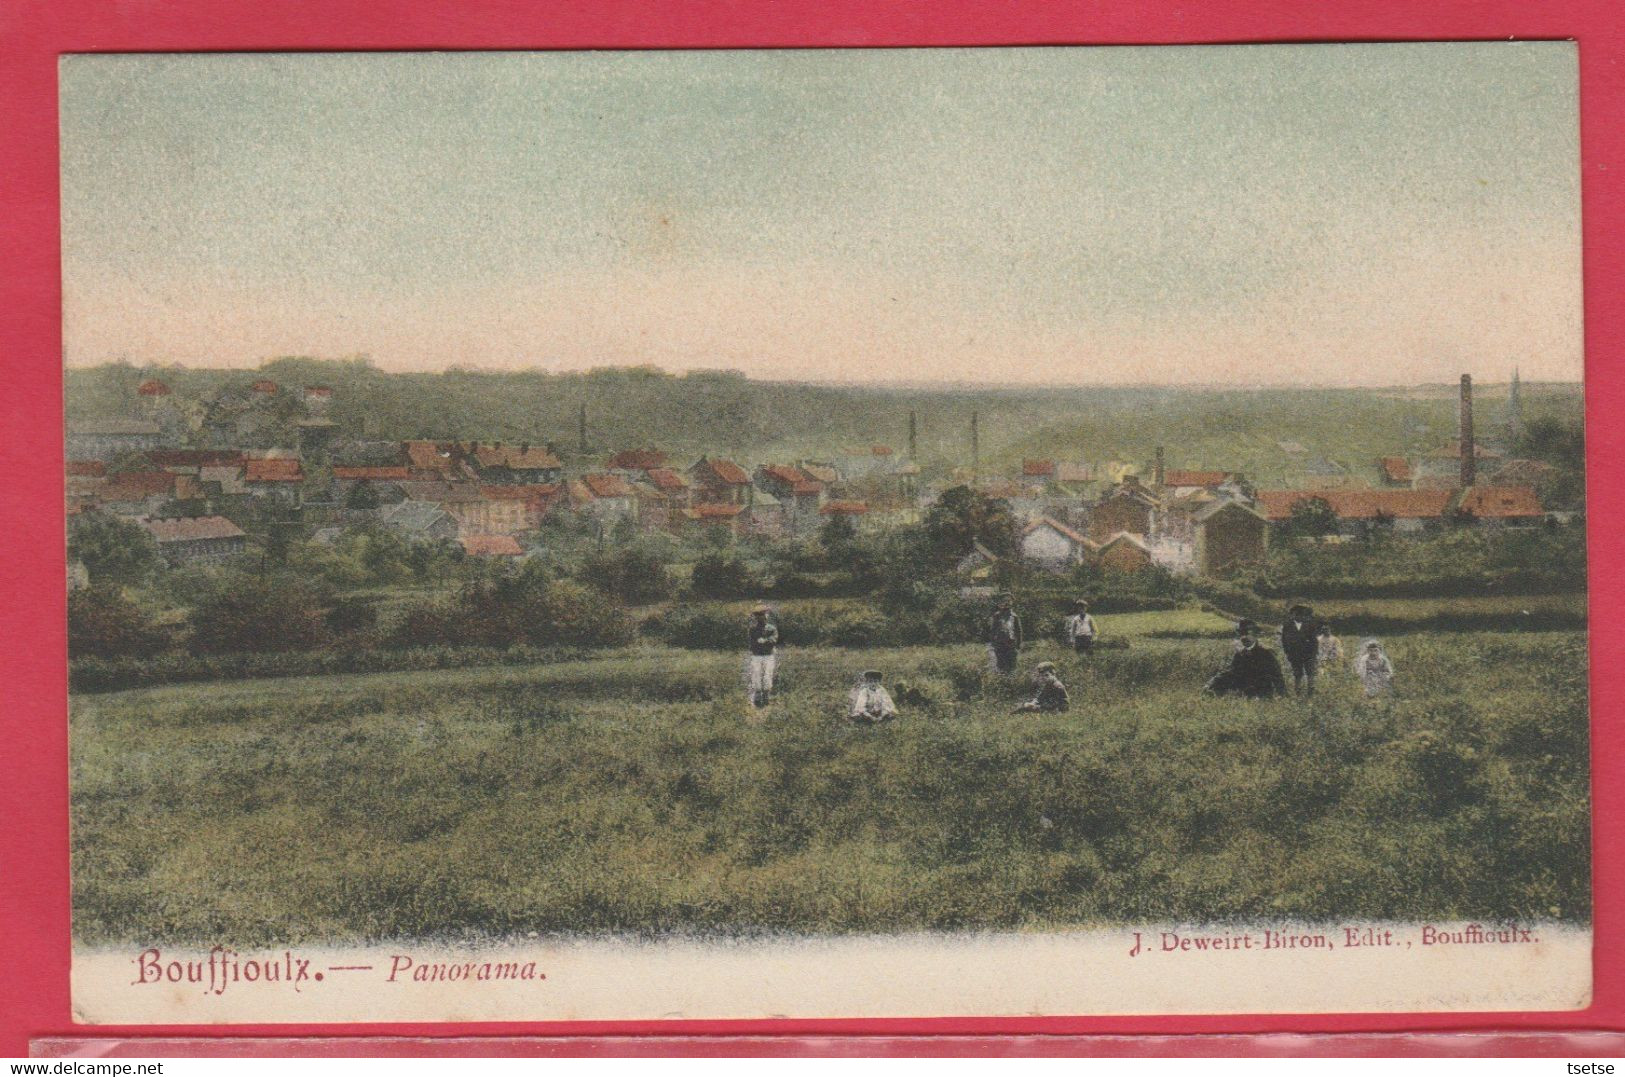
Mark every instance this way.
x=1210 y=217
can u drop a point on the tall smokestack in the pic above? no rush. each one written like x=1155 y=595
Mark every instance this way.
x=975 y=449
x=1469 y=450
x=1159 y=472
x=581 y=428
x=913 y=435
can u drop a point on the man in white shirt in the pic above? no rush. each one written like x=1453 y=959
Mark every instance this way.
x=1081 y=631
x=870 y=700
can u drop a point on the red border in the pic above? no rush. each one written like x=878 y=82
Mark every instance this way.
x=33 y=790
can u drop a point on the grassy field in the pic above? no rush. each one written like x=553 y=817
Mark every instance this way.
x=637 y=793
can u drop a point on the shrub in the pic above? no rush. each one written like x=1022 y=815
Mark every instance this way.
x=634 y=575
x=259 y=615
x=104 y=624
x=721 y=576
x=528 y=610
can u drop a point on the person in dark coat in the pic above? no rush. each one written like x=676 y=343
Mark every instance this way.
x=1300 y=642
x=1253 y=672
x=1051 y=696
x=1004 y=636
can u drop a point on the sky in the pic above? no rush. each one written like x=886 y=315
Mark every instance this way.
x=1320 y=215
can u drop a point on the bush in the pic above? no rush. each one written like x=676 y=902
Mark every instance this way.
x=722 y=576
x=250 y=614
x=528 y=610
x=102 y=623
x=634 y=575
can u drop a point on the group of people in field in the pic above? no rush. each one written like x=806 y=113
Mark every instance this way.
x=1253 y=670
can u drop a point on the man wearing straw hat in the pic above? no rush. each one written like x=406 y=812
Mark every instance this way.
x=763 y=639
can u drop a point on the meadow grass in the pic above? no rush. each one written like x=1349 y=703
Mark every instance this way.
x=635 y=792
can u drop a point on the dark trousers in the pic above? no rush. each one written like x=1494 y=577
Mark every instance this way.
x=1303 y=672
x=1083 y=644
x=1004 y=657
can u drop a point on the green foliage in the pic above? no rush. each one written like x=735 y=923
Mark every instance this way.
x=961 y=517
x=1311 y=517
x=113 y=550
x=1468 y=561
x=718 y=575
x=632 y=574
x=530 y=609
x=103 y=623
x=629 y=794
x=254 y=614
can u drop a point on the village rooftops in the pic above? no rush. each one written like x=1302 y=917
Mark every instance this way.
x=667 y=480
x=152 y=387
x=516 y=457
x=1360 y=504
x=191 y=528
x=725 y=472
x=637 y=460
x=600 y=485
x=821 y=473
x=531 y=491
x=441 y=492
x=193 y=457
x=1038 y=469
x=413 y=515
x=264 y=385
x=137 y=485
x=86 y=469
x=1501 y=502
x=1398 y=469
x=276 y=469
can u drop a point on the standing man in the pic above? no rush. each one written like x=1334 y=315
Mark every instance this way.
x=1004 y=636
x=1300 y=642
x=763 y=639
x=1080 y=628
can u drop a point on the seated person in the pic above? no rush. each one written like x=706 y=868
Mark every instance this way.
x=1051 y=696
x=1254 y=672
x=870 y=701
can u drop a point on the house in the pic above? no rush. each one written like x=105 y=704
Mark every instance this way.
x=1124 y=552
x=152 y=387
x=1184 y=480
x=1396 y=471
x=800 y=494
x=196 y=539
x=135 y=493
x=435 y=459
x=476 y=512
x=1052 y=545
x=223 y=480
x=317 y=398
x=1502 y=506
x=420 y=521
x=764 y=515
x=523 y=463
x=264 y=387
x=536 y=499
x=1229 y=535
x=1409 y=510
x=671 y=483
x=274 y=476
x=719 y=481
x=711 y=516
x=1038 y=470
x=634 y=463
x=111 y=439
x=650 y=506
x=609 y=497
x=384 y=483
x=1127 y=507
x=491 y=546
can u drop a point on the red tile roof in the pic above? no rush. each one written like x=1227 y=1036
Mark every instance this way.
x=277 y=469
x=844 y=508
x=533 y=491
x=784 y=473
x=1182 y=477
x=492 y=546
x=193 y=457
x=712 y=511
x=192 y=528
x=153 y=387
x=318 y=390
x=429 y=455
x=606 y=485
x=807 y=488
x=1398 y=469
x=637 y=460
x=726 y=471
x=665 y=478
x=1361 y=504
x=137 y=486
x=369 y=473
x=1501 y=502
x=87 y=468
x=1037 y=469
x=518 y=457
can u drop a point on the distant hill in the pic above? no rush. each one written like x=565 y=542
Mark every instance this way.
x=726 y=413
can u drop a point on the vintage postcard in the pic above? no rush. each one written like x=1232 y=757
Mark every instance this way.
x=889 y=533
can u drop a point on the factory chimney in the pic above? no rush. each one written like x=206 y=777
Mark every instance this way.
x=913 y=435
x=1469 y=450
x=581 y=428
x=1160 y=472
x=975 y=450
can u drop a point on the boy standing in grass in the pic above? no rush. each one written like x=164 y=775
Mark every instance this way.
x=1080 y=628
x=763 y=639
x=1004 y=636
x=1300 y=642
